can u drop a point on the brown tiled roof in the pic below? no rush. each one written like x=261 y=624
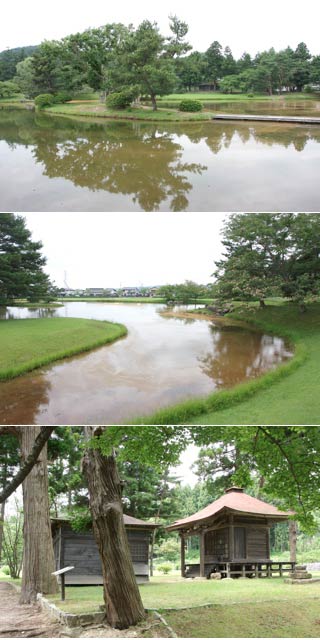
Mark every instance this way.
x=129 y=521
x=235 y=500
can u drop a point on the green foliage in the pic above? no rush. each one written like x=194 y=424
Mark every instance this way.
x=185 y=293
x=8 y=89
x=21 y=262
x=6 y=570
x=164 y=568
x=44 y=100
x=270 y=254
x=121 y=99
x=25 y=77
x=11 y=58
x=13 y=542
x=190 y=105
x=169 y=549
x=61 y=97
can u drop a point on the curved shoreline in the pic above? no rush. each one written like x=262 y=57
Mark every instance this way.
x=114 y=331
x=183 y=412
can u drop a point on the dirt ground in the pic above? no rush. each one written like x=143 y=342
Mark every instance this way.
x=29 y=621
x=23 y=621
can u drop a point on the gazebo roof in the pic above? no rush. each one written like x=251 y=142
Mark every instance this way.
x=236 y=501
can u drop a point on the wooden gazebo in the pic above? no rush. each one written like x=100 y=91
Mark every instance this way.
x=234 y=536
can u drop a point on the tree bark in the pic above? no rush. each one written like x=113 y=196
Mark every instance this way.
x=262 y=303
x=3 y=507
x=121 y=594
x=293 y=540
x=154 y=102
x=38 y=556
x=30 y=459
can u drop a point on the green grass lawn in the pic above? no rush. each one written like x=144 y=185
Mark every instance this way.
x=287 y=395
x=214 y=96
x=96 y=109
x=165 y=593
x=237 y=608
x=31 y=343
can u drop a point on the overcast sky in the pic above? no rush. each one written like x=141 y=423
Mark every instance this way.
x=247 y=25
x=128 y=249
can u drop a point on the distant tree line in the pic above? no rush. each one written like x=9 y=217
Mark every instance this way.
x=141 y=61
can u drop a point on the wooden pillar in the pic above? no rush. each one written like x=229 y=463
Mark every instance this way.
x=228 y=569
x=268 y=542
x=231 y=538
x=182 y=555
x=202 y=554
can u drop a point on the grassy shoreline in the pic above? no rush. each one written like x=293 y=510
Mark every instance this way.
x=286 y=395
x=29 y=344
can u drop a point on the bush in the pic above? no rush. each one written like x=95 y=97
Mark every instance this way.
x=250 y=95
x=120 y=99
x=61 y=97
x=44 y=100
x=164 y=568
x=190 y=105
x=5 y=570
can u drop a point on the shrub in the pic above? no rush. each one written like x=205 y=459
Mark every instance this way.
x=120 y=99
x=5 y=570
x=44 y=100
x=61 y=97
x=190 y=105
x=164 y=568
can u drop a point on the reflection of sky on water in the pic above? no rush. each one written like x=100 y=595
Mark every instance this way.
x=164 y=359
x=61 y=164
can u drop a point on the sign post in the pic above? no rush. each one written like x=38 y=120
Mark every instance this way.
x=62 y=573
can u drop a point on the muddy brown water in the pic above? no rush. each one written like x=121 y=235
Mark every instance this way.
x=63 y=164
x=164 y=359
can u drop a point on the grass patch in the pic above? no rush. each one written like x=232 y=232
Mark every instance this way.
x=97 y=109
x=211 y=97
x=286 y=395
x=32 y=343
x=163 y=593
x=298 y=619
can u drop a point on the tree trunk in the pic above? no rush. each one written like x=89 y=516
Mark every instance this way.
x=154 y=102
x=3 y=507
x=121 y=594
x=293 y=540
x=38 y=556
x=262 y=303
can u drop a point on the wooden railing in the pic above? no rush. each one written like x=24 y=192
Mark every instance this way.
x=256 y=569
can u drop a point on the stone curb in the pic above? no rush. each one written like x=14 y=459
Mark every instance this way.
x=301 y=581
x=70 y=619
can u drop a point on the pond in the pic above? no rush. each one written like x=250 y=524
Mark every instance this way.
x=62 y=164
x=277 y=106
x=164 y=359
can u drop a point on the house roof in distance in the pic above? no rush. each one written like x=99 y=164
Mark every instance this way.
x=234 y=500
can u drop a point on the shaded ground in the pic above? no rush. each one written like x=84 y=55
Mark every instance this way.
x=29 y=621
x=25 y=621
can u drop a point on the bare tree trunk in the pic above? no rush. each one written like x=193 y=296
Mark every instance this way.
x=3 y=507
x=121 y=594
x=38 y=556
x=293 y=540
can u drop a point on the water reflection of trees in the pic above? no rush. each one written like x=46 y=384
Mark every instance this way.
x=141 y=160
x=118 y=157
x=238 y=355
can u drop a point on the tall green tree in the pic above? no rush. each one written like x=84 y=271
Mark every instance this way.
x=142 y=63
x=270 y=254
x=21 y=262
